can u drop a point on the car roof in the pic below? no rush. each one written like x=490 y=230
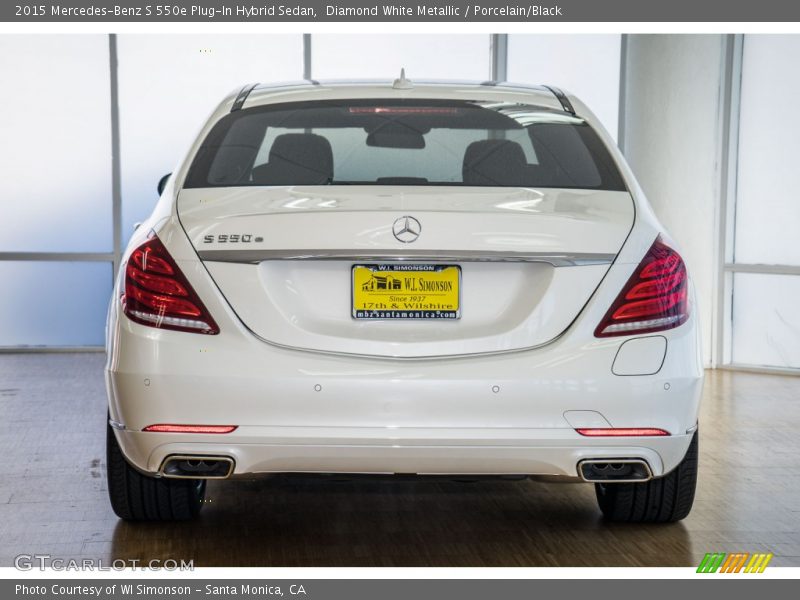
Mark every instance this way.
x=309 y=89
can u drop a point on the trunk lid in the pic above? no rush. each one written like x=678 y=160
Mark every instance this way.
x=530 y=259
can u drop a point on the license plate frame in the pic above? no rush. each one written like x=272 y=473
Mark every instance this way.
x=390 y=311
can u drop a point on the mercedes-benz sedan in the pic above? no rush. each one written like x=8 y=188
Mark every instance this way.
x=417 y=278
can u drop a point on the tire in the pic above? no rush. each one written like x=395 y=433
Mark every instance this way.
x=663 y=500
x=137 y=497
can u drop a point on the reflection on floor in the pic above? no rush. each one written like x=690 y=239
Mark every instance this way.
x=53 y=494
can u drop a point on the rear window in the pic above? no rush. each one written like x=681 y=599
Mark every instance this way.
x=383 y=142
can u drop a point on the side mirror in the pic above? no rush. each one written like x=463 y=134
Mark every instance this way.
x=162 y=183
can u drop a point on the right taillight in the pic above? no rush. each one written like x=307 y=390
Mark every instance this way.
x=158 y=294
x=655 y=298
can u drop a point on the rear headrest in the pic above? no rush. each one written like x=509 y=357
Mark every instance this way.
x=296 y=159
x=494 y=163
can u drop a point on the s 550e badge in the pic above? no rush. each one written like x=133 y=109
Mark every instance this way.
x=232 y=238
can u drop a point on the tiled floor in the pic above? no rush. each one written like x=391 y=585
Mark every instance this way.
x=53 y=494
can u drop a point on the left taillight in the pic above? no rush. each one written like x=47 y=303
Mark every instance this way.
x=157 y=293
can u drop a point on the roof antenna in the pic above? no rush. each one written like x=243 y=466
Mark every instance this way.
x=402 y=83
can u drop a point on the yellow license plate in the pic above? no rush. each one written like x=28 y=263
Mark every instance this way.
x=401 y=291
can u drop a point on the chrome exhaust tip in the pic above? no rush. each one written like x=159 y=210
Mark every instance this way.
x=614 y=470
x=197 y=467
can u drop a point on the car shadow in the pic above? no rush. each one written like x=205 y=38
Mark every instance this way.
x=325 y=520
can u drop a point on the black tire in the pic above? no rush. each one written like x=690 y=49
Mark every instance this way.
x=663 y=500
x=137 y=497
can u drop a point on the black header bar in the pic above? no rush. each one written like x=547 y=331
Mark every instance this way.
x=412 y=11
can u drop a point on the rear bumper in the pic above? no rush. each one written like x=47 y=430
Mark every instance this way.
x=481 y=452
x=513 y=413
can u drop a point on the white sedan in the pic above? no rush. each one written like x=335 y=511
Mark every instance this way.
x=418 y=278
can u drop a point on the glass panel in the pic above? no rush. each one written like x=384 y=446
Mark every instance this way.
x=767 y=207
x=403 y=142
x=766 y=320
x=54 y=303
x=168 y=85
x=377 y=56
x=56 y=150
x=586 y=65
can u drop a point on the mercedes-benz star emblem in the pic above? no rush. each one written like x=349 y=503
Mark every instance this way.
x=406 y=229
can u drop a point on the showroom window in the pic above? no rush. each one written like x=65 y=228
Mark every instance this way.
x=763 y=263
x=162 y=109
x=56 y=237
x=129 y=106
x=586 y=65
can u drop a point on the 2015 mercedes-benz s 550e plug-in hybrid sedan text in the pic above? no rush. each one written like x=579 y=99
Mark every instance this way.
x=419 y=278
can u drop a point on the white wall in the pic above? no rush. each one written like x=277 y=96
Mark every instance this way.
x=672 y=129
x=360 y=56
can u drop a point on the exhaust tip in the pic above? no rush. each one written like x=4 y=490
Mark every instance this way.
x=197 y=467
x=614 y=470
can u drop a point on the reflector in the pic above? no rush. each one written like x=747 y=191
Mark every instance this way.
x=168 y=428
x=622 y=432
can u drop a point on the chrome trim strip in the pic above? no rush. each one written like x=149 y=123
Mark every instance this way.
x=59 y=256
x=257 y=256
x=116 y=425
x=762 y=269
